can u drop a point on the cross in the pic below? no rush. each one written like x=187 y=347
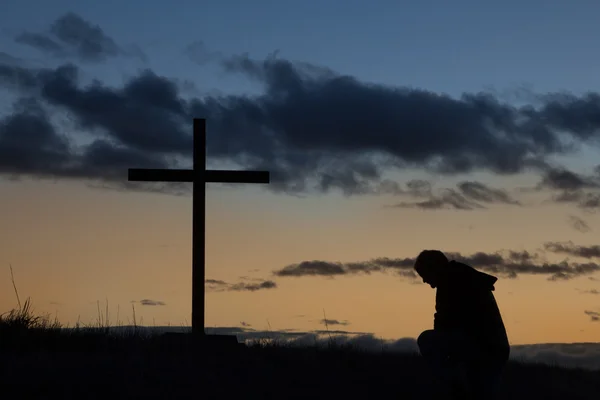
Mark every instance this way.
x=198 y=176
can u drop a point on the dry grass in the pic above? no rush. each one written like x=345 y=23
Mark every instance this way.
x=41 y=359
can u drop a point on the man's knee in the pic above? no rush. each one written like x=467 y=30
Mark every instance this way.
x=428 y=342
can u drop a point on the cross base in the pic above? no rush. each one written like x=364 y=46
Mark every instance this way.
x=208 y=343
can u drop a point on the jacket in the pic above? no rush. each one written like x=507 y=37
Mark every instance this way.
x=465 y=303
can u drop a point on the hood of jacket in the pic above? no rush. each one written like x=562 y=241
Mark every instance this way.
x=465 y=275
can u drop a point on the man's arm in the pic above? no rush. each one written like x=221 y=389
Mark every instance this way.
x=449 y=313
x=443 y=320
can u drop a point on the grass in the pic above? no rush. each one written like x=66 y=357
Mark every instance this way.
x=39 y=358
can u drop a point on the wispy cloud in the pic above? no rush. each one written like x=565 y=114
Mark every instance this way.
x=215 y=285
x=579 y=224
x=594 y=315
x=469 y=195
x=148 y=302
x=72 y=36
x=591 y=291
x=326 y=321
x=572 y=249
x=506 y=263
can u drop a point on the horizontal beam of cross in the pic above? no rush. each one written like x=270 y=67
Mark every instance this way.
x=187 y=175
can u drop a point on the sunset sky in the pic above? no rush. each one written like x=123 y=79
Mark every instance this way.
x=388 y=128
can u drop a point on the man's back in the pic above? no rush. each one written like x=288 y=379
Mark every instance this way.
x=465 y=303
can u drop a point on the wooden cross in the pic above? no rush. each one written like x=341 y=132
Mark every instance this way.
x=198 y=176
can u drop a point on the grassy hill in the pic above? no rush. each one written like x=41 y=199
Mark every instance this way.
x=39 y=360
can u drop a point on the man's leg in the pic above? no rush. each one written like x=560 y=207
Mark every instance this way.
x=486 y=379
x=436 y=348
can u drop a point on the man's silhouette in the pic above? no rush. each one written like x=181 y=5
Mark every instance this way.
x=468 y=339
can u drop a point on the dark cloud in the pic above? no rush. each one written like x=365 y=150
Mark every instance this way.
x=508 y=263
x=307 y=268
x=41 y=42
x=585 y=200
x=18 y=78
x=419 y=188
x=563 y=179
x=480 y=192
x=7 y=59
x=579 y=224
x=148 y=302
x=571 y=249
x=222 y=286
x=314 y=129
x=594 y=316
x=468 y=196
x=252 y=287
x=571 y=187
x=326 y=321
x=71 y=35
x=448 y=199
x=31 y=146
x=215 y=282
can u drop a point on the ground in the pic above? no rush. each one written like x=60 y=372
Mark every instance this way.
x=103 y=366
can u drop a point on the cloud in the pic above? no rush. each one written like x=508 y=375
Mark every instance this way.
x=563 y=179
x=148 y=302
x=570 y=355
x=571 y=187
x=71 y=35
x=216 y=285
x=252 y=287
x=483 y=193
x=594 y=316
x=579 y=224
x=41 y=42
x=198 y=52
x=468 y=196
x=510 y=264
x=314 y=129
x=419 y=188
x=31 y=146
x=326 y=321
x=449 y=199
x=7 y=59
x=592 y=291
x=582 y=199
x=215 y=282
x=571 y=249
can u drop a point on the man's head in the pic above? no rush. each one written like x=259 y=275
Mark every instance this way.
x=429 y=265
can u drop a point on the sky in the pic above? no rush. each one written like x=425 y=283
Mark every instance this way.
x=387 y=128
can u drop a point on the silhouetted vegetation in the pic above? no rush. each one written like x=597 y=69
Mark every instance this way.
x=42 y=359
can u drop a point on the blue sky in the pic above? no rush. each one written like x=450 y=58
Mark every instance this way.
x=437 y=45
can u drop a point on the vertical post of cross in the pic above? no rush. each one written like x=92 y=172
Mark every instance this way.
x=198 y=176
x=198 y=227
